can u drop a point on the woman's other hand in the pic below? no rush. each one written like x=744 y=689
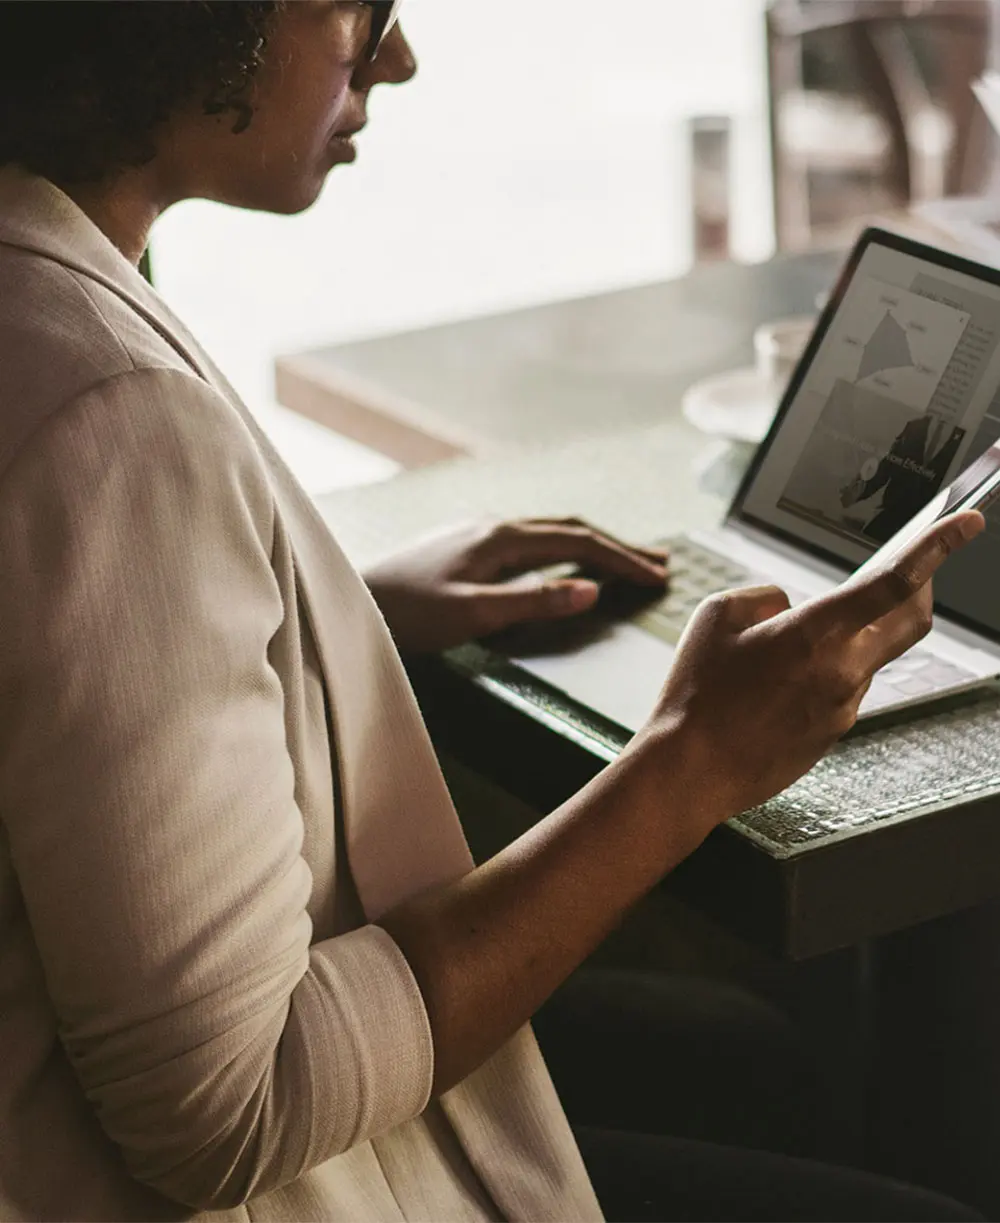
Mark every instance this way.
x=476 y=580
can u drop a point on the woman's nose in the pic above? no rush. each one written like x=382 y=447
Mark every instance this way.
x=395 y=63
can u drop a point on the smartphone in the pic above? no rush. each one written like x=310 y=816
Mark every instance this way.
x=975 y=489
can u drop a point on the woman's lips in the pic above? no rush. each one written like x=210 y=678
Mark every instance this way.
x=342 y=141
x=343 y=146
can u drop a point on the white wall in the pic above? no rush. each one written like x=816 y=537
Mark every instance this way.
x=541 y=152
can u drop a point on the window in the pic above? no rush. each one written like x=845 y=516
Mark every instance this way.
x=541 y=152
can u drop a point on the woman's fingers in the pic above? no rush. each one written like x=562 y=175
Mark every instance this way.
x=531 y=544
x=889 y=610
x=658 y=555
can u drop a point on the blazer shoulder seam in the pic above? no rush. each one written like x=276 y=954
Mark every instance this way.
x=48 y=418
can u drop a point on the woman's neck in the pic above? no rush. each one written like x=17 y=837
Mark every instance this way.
x=123 y=209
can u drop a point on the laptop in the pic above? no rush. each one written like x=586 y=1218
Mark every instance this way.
x=897 y=392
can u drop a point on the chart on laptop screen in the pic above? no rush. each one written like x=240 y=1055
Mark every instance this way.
x=889 y=412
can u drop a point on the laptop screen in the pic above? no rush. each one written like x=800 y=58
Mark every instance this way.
x=898 y=391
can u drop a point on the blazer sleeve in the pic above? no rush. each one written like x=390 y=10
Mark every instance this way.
x=147 y=795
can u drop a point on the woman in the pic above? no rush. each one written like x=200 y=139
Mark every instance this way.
x=242 y=944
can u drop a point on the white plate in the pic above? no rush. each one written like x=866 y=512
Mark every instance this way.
x=738 y=405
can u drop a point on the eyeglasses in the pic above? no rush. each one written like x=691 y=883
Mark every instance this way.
x=385 y=14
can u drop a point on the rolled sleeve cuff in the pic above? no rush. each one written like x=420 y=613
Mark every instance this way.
x=373 y=1062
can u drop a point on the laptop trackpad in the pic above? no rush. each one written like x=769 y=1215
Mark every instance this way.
x=619 y=670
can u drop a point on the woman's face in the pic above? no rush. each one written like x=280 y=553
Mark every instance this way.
x=309 y=97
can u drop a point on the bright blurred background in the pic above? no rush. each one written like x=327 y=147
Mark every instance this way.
x=543 y=151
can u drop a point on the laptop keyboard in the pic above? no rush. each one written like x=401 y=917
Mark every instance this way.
x=697 y=572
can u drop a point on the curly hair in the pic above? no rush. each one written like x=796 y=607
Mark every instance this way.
x=84 y=84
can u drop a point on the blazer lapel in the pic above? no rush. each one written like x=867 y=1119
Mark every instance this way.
x=402 y=832
x=36 y=216
x=386 y=762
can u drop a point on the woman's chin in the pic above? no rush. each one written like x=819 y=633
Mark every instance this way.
x=305 y=189
x=288 y=197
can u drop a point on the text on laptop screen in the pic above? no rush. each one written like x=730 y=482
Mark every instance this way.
x=901 y=393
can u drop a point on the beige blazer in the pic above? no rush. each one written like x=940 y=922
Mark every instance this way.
x=213 y=778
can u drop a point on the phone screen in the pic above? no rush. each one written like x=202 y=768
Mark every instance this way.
x=976 y=488
x=973 y=484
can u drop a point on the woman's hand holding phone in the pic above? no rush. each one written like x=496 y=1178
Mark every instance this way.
x=760 y=691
